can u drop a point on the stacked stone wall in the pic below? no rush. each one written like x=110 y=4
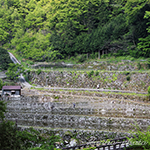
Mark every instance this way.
x=90 y=79
x=29 y=111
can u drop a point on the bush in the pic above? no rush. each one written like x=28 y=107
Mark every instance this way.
x=141 y=139
x=148 y=63
x=97 y=73
x=149 y=90
x=128 y=78
x=81 y=58
x=90 y=73
x=27 y=75
x=31 y=63
x=39 y=71
x=1 y=84
x=13 y=139
x=139 y=66
x=2 y=110
x=93 y=55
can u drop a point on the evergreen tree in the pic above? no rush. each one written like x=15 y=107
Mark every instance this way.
x=4 y=59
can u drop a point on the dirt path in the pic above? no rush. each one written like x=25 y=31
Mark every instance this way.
x=90 y=89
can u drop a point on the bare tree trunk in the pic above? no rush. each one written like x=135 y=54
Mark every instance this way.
x=99 y=55
x=103 y=52
x=134 y=43
x=87 y=56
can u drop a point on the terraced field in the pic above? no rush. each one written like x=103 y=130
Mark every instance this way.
x=71 y=109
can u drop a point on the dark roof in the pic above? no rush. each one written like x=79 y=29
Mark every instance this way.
x=11 y=88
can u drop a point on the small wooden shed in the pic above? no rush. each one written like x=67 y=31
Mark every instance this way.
x=11 y=90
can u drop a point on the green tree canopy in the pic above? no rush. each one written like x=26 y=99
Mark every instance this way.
x=4 y=59
x=37 y=29
x=144 y=43
x=14 y=71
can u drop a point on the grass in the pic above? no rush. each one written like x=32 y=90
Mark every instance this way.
x=133 y=94
x=93 y=92
x=40 y=89
x=84 y=70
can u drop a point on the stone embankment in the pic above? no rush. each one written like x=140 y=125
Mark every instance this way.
x=132 y=81
x=79 y=116
x=124 y=65
x=73 y=137
x=87 y=113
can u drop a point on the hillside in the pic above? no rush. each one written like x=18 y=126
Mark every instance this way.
x=47 y=30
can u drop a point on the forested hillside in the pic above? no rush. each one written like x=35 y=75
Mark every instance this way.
x=4 y=59
x=44 y=30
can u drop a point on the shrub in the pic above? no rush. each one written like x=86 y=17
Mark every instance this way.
x=31 y=63
x=149 y=90
x=38 y=71
x=128 y=78
x=148 y=63
x=1 y=84
x=127 y=73
x=81 y=58
x=93 y=55
x=97 y=73
x=139 y=66
x=90 y=73
x=2 y=110
x=141 y=139
x=13 y=139
x=27 y=75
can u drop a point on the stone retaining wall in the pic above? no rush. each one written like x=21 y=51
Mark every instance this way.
x=28 y=111
x=79 y=136
x=90 y=79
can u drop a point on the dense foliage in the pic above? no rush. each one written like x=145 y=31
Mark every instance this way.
x=14 y=71
x=141 y=139
x=1 y=84
x=51 y=29
x=4 y=59
x=2 y=110
x=29 y=139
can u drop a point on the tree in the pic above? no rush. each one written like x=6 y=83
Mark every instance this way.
x=135 y=11
x=1 y=84
x=14 y=71
x=4 y=59
x=38 y=28
x=144 y=43
x=2 y=110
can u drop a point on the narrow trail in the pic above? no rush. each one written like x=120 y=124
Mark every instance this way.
x=90 y=89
